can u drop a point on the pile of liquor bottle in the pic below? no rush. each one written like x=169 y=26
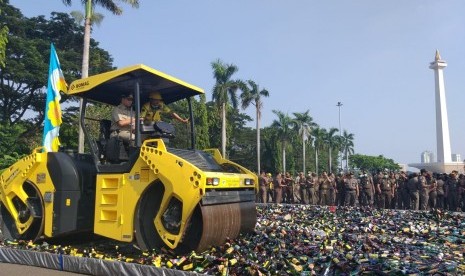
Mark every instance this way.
x=310 y=240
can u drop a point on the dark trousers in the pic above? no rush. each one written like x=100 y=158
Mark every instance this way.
x=262 y=194
x=385 y=200
x=424 y=197
x=278 y=195
x=414 y=200
x=366 y=197
x=303 y=194
x=350 y=198
x=440 y=201
x=312 y=199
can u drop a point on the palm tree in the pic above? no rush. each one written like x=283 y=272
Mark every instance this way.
x=253 y=95
x=304 y=123
x=347 y=145
x=96 y=19
x=331 y=141
x=111 y=6
x=224 y=92
x=318 y=135
x=3 y=42
x=283 y=126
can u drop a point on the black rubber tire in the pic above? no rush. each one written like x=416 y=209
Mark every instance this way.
x=7 y=225
x=147 y=236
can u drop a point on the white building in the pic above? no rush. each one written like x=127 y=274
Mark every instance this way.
x=456 y=157
x=427 y=157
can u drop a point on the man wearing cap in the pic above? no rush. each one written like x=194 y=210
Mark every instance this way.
x=122 y=119
x=155 y=110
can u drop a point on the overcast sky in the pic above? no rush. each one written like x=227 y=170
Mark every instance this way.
x=372 y=56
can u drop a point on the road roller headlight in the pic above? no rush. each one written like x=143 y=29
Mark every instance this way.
x=248 y=181
x=171 y=218
x=213 y=181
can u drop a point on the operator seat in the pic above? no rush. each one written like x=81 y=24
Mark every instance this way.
x=104 y=136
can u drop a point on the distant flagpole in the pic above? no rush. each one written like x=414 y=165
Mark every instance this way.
x=52 y=122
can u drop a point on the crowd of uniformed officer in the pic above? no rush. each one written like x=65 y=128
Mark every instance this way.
x=387 y=190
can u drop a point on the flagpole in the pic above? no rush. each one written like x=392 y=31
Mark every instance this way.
x=304 y=130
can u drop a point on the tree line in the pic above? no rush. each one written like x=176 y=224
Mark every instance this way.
x=291 y=143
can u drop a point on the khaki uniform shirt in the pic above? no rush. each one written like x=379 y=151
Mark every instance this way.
x=121 y=112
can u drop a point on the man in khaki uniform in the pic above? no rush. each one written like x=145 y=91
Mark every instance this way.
x=270 y=187
x=340 y=190
x=414 y=192
x=263 y=181
x=386 y=190
x=351 y=190
x=302 y=184
x=367 y=189
x=452 y=191
x=325 y=183
x=424 y=189
x=122 y=120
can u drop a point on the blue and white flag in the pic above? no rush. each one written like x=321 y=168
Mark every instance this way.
x=52 y=122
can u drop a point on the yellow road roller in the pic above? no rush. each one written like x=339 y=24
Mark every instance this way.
x=146 y=192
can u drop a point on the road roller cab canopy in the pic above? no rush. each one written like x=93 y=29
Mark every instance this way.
x=138 y=79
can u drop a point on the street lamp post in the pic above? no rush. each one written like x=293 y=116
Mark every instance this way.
x=304 y=138
x=339 y=104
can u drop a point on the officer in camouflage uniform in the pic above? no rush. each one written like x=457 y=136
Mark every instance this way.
x=367 y=189
x=351 y=190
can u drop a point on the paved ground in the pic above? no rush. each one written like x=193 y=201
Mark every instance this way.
x=15 y=269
